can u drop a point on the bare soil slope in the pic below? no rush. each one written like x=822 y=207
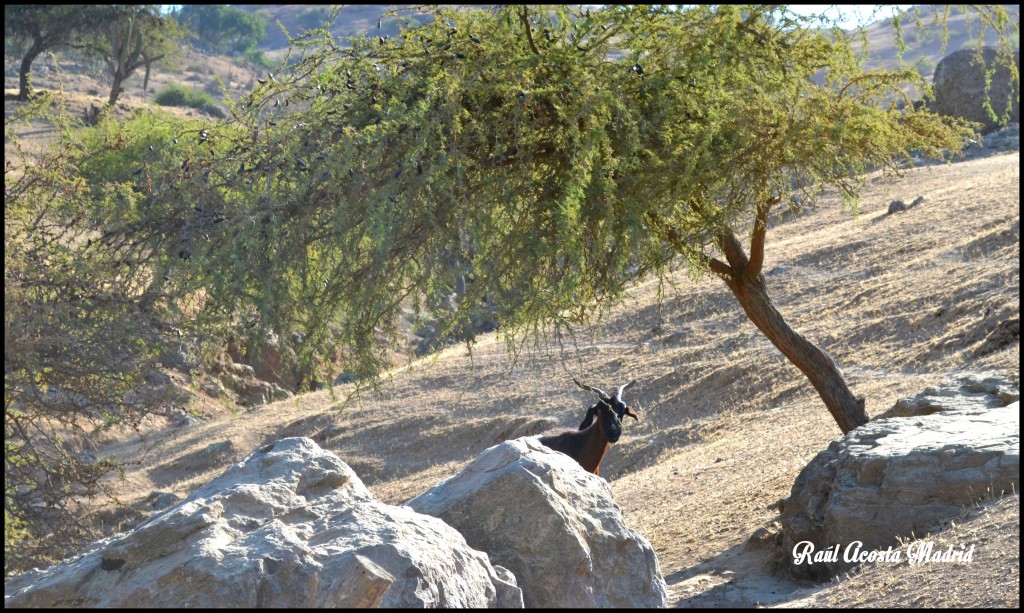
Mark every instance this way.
x=900 y=301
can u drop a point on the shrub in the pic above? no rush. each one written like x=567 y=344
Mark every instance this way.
x=212 y=87
x=176 y=95
x=258 y=58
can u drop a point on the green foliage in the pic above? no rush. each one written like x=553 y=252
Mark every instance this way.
x=133 y=36
x=177 y=95
x=258 y=58
x=30 y=30
x=530 y=162
x=925 y=67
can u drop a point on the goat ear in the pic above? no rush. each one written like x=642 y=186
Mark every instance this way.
x=589 y=419
x=631 y=413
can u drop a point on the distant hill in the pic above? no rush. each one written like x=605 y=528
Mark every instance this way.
x=353 y=20
x=925 y=44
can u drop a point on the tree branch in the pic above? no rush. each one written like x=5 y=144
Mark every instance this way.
x=733 y=251
x=718 y=266
x=757 y=240
x=529 y=34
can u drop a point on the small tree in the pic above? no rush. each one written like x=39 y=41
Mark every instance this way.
x=132 y=36
x=84 y=343
x=44 y=27
x=224 y=28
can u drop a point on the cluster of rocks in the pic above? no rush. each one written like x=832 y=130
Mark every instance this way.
x=241 y=380
x=292 y=525
x=1002 y=140
x=959 y=85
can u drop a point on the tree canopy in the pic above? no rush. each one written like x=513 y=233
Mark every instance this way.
x=129 y=37
x=545 y=157
x=558 y=155
x=37 y=28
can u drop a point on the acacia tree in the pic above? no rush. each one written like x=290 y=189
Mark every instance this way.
x=557 y=155
x=84 y=347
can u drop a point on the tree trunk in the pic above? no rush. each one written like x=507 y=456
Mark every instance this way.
x=822 y=371
x=116 y=89
x=743 y=276
x=26 y=65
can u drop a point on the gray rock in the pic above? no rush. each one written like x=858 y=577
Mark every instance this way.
x=345 y=377
x=896 y=206
x=241 y=370
x=214 y=388
x=968 y=392
x=556 y=526
x=1006 y=139
x=290 y=526
x=902 y=476
x=280 y=393
x=180 y=418
x=959 y=85
x=158 y=501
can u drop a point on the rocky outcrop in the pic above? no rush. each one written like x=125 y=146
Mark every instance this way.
x=554 y=525
x=242 y=380
x=959 y=84
x=905 y=472
x=290 y=526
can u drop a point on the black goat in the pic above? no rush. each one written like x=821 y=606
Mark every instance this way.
x=589 y=444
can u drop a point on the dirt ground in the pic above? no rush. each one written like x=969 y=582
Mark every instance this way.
x=900 y=301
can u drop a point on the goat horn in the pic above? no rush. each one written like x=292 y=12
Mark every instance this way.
x=623 y=388
x=591 y=388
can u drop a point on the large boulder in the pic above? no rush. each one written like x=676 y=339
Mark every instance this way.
x=554 y=525
x=959 y=84
x=290 y=526
x=904 y=473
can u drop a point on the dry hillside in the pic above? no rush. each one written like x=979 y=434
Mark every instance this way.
x=901 y=301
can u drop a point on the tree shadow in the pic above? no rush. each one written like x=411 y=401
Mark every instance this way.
x=748 y=579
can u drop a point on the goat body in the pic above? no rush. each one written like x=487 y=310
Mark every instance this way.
x=585 y=446
x=601 y=427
